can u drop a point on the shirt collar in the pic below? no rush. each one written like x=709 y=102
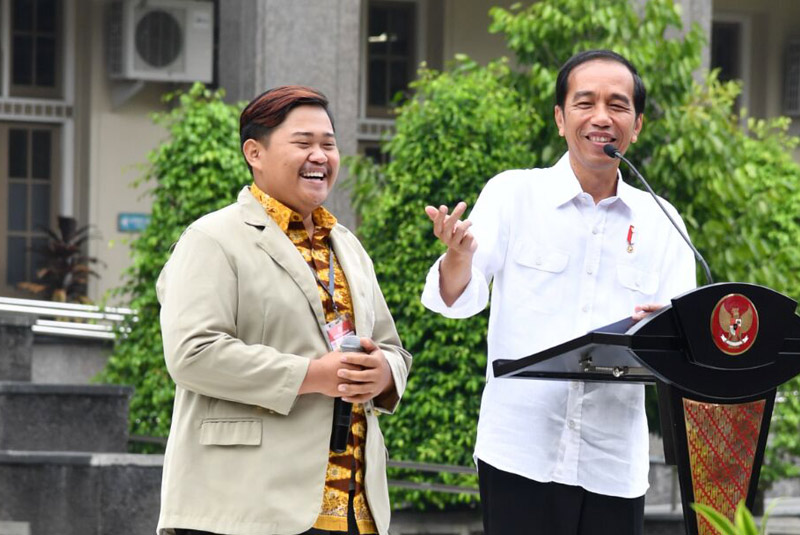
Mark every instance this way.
x=566 y=187
x=283 y=215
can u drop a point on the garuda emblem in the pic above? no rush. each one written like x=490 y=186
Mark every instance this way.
x=734 y=324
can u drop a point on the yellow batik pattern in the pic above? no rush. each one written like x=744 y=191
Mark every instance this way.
x=341 y=466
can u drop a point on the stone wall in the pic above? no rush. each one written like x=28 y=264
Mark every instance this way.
x=46 y=493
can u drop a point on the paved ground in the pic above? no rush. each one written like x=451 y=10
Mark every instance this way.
x=784 y=516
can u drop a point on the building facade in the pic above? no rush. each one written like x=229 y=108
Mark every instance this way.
x=79 y=80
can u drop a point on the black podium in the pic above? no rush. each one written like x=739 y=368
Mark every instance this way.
x=717 y=355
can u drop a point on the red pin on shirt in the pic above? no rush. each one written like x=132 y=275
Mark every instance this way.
x=631 y=234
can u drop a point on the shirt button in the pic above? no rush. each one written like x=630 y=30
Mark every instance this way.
x=595 y=230
x=585 y=308
x=538 y=261
x=571 y=424
x=590 y=271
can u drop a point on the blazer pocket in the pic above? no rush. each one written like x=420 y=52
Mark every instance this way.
x=230 y=432
x=639 y=280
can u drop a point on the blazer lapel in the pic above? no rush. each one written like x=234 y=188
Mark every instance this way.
x=352 y=273
x=280 y=248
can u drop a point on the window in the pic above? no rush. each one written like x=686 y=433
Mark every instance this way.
x=372 y=150
x=36 y=48
x=725 y=50
x=730 y=48
x=29 y=173
x=391 y=53
x=36 y=115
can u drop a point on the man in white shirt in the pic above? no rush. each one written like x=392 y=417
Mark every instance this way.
x=566 y=249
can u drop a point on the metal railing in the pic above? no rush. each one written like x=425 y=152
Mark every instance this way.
x=445 y=468
x=371 y=129
x=433 y=468
x=69 y=319
x=406 y=465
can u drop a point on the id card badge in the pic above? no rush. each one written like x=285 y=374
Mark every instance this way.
x=338 y=329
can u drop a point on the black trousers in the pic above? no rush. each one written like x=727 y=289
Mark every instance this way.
x=512 y=504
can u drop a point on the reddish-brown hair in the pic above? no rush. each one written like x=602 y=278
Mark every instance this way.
x=268 y=110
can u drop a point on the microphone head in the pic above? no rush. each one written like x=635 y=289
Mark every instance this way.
x=610 y=150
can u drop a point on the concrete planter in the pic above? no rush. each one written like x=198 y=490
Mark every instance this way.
x=83 y=418
x=16 y=348
x=79 y=494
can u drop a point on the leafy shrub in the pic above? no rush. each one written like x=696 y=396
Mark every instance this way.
x=735 y=186
x=743 y=522
x=462 y=127
x=199 y=168
x=65 y=270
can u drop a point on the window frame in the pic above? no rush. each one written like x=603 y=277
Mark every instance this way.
x=54 y=180
x=745 y=23
x=34 y=91
x=420 y=42
x=32 y=112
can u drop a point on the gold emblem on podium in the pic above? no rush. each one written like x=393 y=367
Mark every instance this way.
x=734 y=324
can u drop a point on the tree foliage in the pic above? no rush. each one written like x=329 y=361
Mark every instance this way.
x=742 y=523
x=463 y=126
x=197 y=169
x=732 y=177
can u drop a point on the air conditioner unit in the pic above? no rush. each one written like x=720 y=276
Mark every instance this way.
x=161 y=40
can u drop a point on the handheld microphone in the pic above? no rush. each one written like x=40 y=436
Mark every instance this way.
x=612 y=152
x=342 y=410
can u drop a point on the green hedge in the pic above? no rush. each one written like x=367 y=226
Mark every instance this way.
x=197 y=169
x=735 y=186
x=732 y=178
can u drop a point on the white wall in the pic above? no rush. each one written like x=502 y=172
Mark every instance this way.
x=466 y=30
x=119 y=142
x=773 y=24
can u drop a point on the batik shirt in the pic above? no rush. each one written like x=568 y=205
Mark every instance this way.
x=346 y=467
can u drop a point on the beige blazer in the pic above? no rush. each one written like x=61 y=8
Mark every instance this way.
x=241 y=318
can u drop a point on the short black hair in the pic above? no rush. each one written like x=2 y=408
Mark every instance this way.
x=639 y=91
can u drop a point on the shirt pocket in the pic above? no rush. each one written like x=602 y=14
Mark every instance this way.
x=540 y=272
x=643 y=281
x=230 y=432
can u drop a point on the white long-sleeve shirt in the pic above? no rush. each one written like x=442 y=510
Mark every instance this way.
x=560 y=266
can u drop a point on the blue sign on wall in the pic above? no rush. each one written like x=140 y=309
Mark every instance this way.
x=130 y=222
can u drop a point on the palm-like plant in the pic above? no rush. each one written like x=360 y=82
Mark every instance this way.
x=743 y=521
x=65 y=274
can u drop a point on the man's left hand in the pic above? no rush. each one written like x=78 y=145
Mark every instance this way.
x=642 y=311
x=373 y=379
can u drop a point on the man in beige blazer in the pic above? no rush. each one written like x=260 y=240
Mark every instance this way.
x=249 y=318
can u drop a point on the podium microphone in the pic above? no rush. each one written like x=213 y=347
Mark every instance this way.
x=612 y=152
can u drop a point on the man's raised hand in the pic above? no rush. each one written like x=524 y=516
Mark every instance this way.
x=450 y=230
x=455 y=268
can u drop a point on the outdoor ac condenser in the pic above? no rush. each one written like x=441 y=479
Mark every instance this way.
x=160 y=40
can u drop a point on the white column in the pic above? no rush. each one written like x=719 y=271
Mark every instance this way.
x=67 y=204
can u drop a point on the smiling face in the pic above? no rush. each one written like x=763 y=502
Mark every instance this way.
x=598 y=109
x=297 y=164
